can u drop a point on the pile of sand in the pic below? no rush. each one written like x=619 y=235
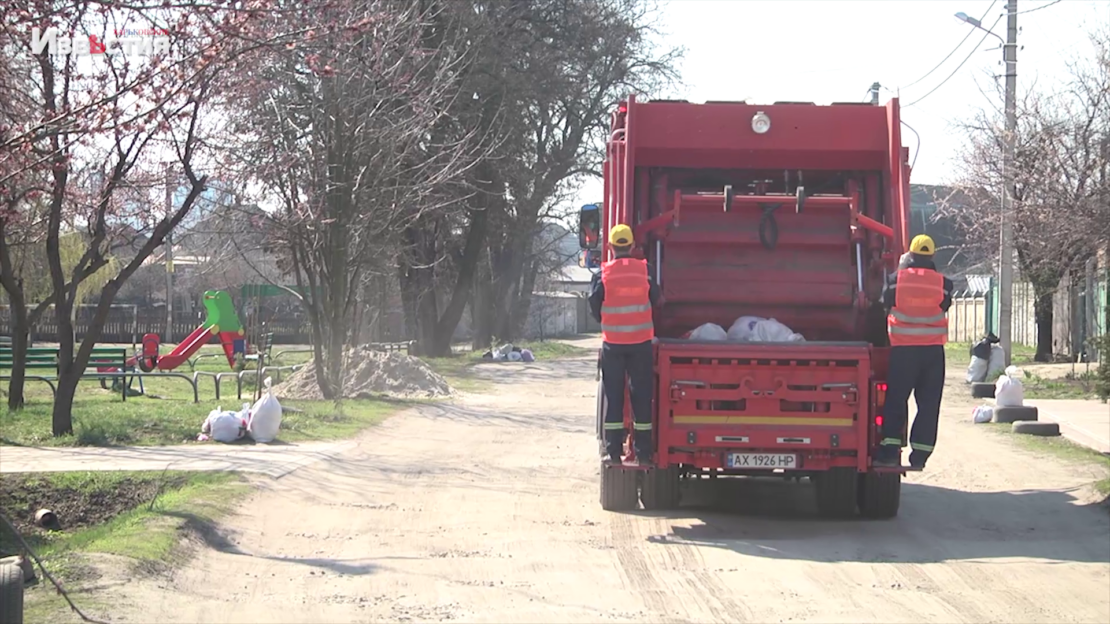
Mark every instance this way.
x=368 y=373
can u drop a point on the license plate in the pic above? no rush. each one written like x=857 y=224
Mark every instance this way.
x=768 y=461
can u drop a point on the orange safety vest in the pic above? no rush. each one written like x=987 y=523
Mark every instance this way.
x=916 y=318
x=626 y=310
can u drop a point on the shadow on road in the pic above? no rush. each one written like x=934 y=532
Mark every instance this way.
x=777 y=519
x=215 y=539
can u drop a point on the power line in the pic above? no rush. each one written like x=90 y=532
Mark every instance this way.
x=958 y=46
x=962 y=63
x=1043 y=6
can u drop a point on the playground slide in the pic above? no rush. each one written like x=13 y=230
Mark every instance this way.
x=186 y=349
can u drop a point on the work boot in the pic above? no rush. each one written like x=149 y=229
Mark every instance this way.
x=613 y=455
x=888 y=456
x=918 y=459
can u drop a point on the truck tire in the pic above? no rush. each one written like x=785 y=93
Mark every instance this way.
x=982 y=390
x=618 y=488
x=660 y=488
x=1042 y=429
x=11 y=594
x=1014 y=414
x=880 y=494
x=836 y=492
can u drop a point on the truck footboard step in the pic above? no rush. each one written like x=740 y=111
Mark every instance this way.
x=902 y=469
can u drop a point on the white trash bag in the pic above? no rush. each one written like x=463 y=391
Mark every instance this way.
x=224 y=426
x=743 y=328
x=982 y=414
x=709 y=331
x=977 y=370
x=997 y=362
x=1008 y=392
x=770 y=330
x=1015 y=372
x=265 y=416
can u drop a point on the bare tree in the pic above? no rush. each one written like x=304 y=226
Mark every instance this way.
x=579 y=58
x=350 y=133
x=1058 y=185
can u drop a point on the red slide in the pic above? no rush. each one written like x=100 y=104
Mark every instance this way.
x=188 y=347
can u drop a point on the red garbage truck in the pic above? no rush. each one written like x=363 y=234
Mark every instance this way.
x=790 y=211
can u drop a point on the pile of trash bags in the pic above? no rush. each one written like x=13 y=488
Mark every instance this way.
x=509 y=353
x=260 y=421
x=1008 y=392
x=987 y=358
x=747 y=329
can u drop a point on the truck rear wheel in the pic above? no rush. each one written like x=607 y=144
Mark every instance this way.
x=660 y=488
x=11 y=594
x=618 y=488
x=880 y=494
x=836 y=492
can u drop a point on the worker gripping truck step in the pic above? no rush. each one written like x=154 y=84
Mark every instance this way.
x=917 y=298
x=621 y=298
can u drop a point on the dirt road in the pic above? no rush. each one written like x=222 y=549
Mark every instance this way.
x=487 y=510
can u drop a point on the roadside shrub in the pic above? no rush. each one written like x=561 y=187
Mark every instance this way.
x=1102 y=377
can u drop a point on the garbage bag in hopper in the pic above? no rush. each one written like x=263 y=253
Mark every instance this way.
x=743 y=328
x=265 y=416
x=223 y=426
x=770 y=330
x=709 y=331
x=1008 y=392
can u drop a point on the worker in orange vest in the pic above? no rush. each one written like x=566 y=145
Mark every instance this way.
x=917 y=298
x=621 y=298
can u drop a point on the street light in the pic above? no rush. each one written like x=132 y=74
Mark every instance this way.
x=964 y=17
x=1006 y=233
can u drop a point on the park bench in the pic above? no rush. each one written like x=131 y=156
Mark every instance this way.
x=46 y=358
x=38 y=359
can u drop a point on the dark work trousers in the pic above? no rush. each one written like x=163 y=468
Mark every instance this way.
x=635 y=362
x=920 y=370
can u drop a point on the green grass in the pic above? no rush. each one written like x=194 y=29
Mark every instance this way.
x=1071 y=386
x=167 y=414
x=102 y=419
x=1062 y=448
x=148 y=530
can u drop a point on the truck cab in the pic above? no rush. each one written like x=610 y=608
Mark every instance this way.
x=788 y=211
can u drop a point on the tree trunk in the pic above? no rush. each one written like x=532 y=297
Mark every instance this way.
x=21 y=337
x=20 y=340
x=21 y=324
x=481 y=305
x=1043 y=314
x=63 y=401
x=68 y=373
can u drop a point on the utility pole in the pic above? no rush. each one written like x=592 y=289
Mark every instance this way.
x=875 y=93
x=169 y=258
x=1006 y=236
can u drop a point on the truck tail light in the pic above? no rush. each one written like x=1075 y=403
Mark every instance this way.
x=880 y=400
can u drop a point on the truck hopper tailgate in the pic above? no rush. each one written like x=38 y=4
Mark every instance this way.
x=805 y=398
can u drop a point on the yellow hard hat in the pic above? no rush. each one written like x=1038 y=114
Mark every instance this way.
x=922 y=245
x=621 y=236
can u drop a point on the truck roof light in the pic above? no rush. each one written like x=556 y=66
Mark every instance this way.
x=761 y=123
